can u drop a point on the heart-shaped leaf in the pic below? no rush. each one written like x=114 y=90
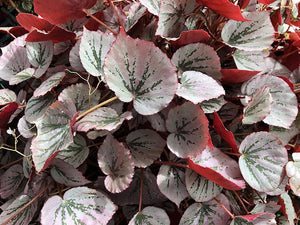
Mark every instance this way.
x=93 y=48
x=145 y=146
x=150 y=215
x=206 y=213
x=200 y=188
x=49 y=84
x=152 y=6
x=197 y=57
x=79 y=205
x=254 y=35
x=256 y=219
x=188 y=126
x=115 y=161
x=137 y=70
x=213 y=105
x=7 y=96
x=218 y=167
x=262 y=161
x=54 y=133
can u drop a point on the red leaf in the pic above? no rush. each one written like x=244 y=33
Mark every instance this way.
x=237 y=76
x=31 y=22
x=61 y=11
x=57 y=34
x=224 y=8
x=224 y=133
x=6 y=112
x=243 y=3
x=49 y=161
x=191 y=36
x=266 y=2
x=92 y=24
x=16 y=31
x=252 y=217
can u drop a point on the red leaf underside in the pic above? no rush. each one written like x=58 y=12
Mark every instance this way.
x=5 y=114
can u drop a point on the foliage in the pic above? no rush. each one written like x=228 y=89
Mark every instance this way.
x=151 y=112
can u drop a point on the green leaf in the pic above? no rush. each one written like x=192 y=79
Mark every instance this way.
x=152 y=6
x=150 y=215
x=213 y=105
x=7 y=96
x=22 y=76
x=49 y=84
x=250 y=60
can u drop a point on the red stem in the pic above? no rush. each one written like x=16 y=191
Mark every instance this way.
x=226 y=210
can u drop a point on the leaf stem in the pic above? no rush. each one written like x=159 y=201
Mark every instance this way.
x=11 y=163
x=96 y=107
x=242 y=203
x=226 y=210
x=171 y=163
x=116 y=12
x=141 y=189
x=232 y=153
x=14 y=6
x=235 y=121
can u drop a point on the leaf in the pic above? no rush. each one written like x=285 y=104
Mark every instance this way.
x=7 y=96
x=137 y=70
x=54 y=133
x=200 y=188
x=189 y=133
x=152 y=6
x=93 y=48
x=11 y=180
x=76 y=153
x=287 y=207
x=284 y=108
x=212 y=105
x=66 y=174
x=25 y=216
x=79 y=205
x=22 y=76
x=250 y=60
x=6 y=112
x=74 y=58
x=191 y=36
x=79 y=95
x=197 y=87
x=171 y=17
x=145 y=146
x=262 y=161
x=293 y=172
x=135 y=12
x=61 y=11
x=206 y=213
x=219 y=168
x=254 y=35
x=150 y=215
x=25 y=128
x=115 y=161
x=285 y=135
x=197 y=57
x=40 y=56
x=237 y=76
x=37 y=106
x=256 y=219
x=49 y=84
x=170 y=181
x=259 y=107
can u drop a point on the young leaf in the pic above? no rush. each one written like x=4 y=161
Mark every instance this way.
x=200 y=188
x=152 y=6
x=213 y=105
x=137 y=70
x=219 y=168
x=197 y=57
x=170 y=181
x=145 y=146
x=287 y=207
x=150 y=215
x=115 y=161
x=206 y=213
x=54 y=133
x=94 y=46
x=188 y=126
x=79 y=205
x=262 y=161
x=7 y=96
x=254 y=35
x=25 y=216
x=256 y=219
x=197 y=87
x=49 y=84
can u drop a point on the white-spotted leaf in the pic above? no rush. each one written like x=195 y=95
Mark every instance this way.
x=137 y=70
x=152 y=6
x=213 y=105
x=254 y=35
x=79 y=205
x=22 y=76
x=262 y=161
x=7 y=96
x=145 y=146
x=49 y=84
x=150 y=215
x=188 y=127
x=115 y=161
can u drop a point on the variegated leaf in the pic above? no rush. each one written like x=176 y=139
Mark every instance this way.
x=76 y=153
x=40 y=55
x=256 y=219
x=198 y=87
x=115 y=161
x=288 y=207
x=188 y=126
x=7 y=96
x=152 y=6
x=136 y=11
x=254 y=35
x=93 y=48
x=79 y=94
x=27 y=161
x=200 y=188
x=25 y=216
x=172 y=17
x=206 y=213
x=66 y=174
x=262 y=161
x=79 y=205
x=170 y=181
x=150 y=215
x=22 y=76
x=26 y=129
x=36 y=107
x=49 y=84
x=285 y=135
x=74 y=58
x=250 y=60
x=54 y=133
x=10 y=180
x=259 y=107
x=213 y=105
x=198 y=57
x=284 y=108
x=145 y=146
x=293 y=172
x=137 y=70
